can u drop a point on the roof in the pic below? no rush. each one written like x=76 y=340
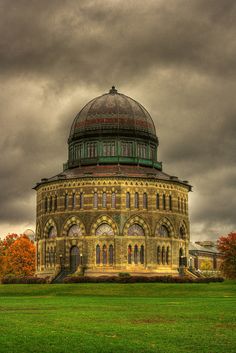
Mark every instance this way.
x=198 y=248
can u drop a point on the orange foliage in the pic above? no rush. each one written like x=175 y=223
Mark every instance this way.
x=17 y=256
x=227 y=247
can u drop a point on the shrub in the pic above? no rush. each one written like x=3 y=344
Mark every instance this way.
x=23 y=280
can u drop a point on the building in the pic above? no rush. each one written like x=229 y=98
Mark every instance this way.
x=204 y=256
x=112 y=209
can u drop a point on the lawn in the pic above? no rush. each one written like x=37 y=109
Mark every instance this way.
x=154 y=317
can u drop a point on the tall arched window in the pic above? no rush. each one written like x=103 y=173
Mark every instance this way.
x=136 y=200
x=145 y=200
x=182 y=205
x=129 y=254
x=136 y=254
x=164 y=201
x=98 y=255
x=95 y=200
x=104 y=199
x=178 y=204
x=46 y=204
x=142 y=254
x=127 y=200
x=104 y=254
x=163 y=231
x=55 y=203
x=185 y=206
x=73 y=200
x=157 y=201
x=113 y=200
x=52 y=232
x=170 y=203
x=158 y=255
x=168 y=255
x=50 y=204
x=111 y=255
x=182 y=232
x=66 y=201
x=81 y=200
x=163 y=253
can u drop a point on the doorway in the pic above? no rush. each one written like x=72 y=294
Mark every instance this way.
x=74 y=258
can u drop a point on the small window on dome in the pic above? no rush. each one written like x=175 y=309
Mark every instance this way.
x=127 y=149
x=91 y=149
x=109 y=149
x=142 y=150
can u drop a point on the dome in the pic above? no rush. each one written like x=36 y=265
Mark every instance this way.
x=114 y=113
x=113 y=129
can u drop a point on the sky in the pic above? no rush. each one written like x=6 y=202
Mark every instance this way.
x=175 y=57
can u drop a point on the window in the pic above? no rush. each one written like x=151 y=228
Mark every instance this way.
x=74 y=231
x=136 y=200
x=164 y=201
x=55 y=203
x=66 y=201
x=73 y=200
x=153 y=153
x=52 y=233
x=129 y=254
x=113 y=200
x=142 y=254
x=98 y=255
x=157 y=201
x=163 y=231
x=50 y=204
x=163 y=255
x=142 y=150
x=81 y=200
x=127 y=149
x=182 y=232
x=158 y=255
x=92 y=149
x=95 y=200
x=168 y=255
x=104 y=254
x=111 y=255
x=104 y=229
x=78 y=151
x=178 y=204
x=127 y=200
x=145 y=200
x=135 y=229
x=46 y=204
x=104 y=199
x=109 y=149
x=182 y=205
x=170 y=203
x=136 y=254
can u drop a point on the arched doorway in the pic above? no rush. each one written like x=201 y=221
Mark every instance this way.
x=74 y=258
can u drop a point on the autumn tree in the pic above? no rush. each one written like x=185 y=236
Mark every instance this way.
x=17 y=256
x=227 y=247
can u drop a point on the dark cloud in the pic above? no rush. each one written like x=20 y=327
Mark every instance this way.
x=176 y=57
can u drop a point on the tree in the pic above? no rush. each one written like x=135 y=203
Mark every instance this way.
x=227 y=248
x=17 y=256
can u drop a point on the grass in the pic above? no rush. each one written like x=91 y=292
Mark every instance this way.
x=154 y=317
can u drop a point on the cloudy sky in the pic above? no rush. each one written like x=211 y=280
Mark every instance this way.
x=176 y=57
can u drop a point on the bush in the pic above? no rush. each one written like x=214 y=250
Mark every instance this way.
x=23 y=280
x=140 y=279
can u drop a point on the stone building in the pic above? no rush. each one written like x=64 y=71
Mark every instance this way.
x=204 y=256
x=112 y=209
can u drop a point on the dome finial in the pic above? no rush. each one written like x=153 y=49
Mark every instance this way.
x=113 y=90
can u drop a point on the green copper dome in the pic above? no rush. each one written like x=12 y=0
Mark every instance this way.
x=113 y=128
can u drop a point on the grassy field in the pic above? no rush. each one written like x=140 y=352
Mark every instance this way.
x=166 y=318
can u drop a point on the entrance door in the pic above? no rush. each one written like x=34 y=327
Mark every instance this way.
x=74 y=258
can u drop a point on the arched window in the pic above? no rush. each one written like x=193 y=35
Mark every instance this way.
x=113 y=200
x=73 y=200
x=104 y=199
x=81 y=200
x=157 y=201
x=46 y=204
x=66 y=201
x=163 y=253
x=50 y=204
x=185 y=206
x=129 y=254
x=98 y=255
x=178 y=204
x=142 y=254
x=135 y=229
x=111 y=255
x=55 y=203
x=145 y=200
x=74 y=231
x=104 y=229
x=182 y=232
x=164 y=201
x=182 y=206
x=163 y=231
x=168 y=255
x=95 y=200
x=136 y=200
x=52 y=233
x=170 y=203
x=158 y=255
x=104 y=254
x=127 y=200
x=136 y=254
